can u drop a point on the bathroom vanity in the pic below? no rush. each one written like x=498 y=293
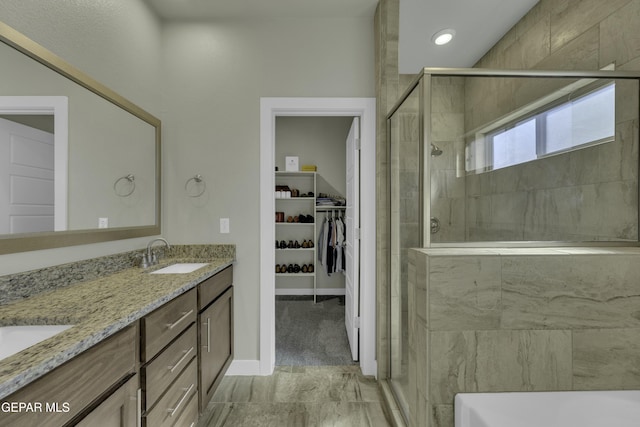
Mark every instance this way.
x=145 y=349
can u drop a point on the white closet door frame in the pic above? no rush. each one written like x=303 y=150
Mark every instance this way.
x=270 y=108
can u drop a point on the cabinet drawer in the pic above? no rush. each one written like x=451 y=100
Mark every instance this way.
x=189 y=418
x=176 y=400
x=167 y=322
x=165 y=368
x=214 y=286
x=78 y=383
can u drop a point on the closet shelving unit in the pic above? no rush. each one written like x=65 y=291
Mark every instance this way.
x=304 y=182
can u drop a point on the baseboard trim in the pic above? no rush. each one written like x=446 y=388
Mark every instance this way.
x=319 y=291
x=244 y=368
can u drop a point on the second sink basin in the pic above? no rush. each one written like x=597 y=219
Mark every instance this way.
x=14 y=339
x=185 y=267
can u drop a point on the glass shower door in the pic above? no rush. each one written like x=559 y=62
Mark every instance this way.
x=405 y=232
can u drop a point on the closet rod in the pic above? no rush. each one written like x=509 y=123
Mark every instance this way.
x=330 y=208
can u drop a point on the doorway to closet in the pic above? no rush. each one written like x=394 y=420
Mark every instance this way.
x=316 y=250
x=317 y=131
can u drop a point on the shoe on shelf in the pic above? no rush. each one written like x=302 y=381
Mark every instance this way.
x=296 y=268
x=305 y=245
x=310 y=268
x=290 y=268
x=305 y=269
x=310 y=243
x=289 y=218
x=290 y=244
x=296 y=245
x=283 y=244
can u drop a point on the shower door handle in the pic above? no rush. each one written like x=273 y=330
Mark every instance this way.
x=435 y=225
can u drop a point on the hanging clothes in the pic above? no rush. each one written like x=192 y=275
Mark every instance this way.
x=331 y=245
x=339 y=248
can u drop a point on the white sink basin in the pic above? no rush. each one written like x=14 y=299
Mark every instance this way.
x=185 y=267
x=14 y=339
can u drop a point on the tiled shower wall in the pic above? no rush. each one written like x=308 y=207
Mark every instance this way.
x=492 y=320
x=565 y=197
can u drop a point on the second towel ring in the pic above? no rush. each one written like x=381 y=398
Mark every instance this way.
x=132 y=183
x=197 y=179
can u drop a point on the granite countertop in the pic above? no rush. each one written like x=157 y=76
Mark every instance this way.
x=98 y=308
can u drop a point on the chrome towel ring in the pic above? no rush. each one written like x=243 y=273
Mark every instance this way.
x=131 y=179
x=197 y=181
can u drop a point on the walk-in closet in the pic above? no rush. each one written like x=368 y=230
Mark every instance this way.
x=311 y=252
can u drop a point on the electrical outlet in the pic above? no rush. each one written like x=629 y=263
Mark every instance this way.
x=103 y=222
x=224 y=225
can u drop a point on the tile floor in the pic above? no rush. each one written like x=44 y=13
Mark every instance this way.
x=298 y=396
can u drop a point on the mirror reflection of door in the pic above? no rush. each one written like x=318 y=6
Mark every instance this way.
x=27 y=201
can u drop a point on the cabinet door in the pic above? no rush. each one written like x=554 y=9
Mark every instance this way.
x=118 y=410
x=216 y=344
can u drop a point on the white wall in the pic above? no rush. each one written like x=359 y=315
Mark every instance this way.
x=214 y=77
x=117 y=42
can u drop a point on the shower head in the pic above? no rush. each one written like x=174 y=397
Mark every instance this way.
x=435 y=150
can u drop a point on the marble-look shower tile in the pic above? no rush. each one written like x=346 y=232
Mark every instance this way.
x=464 y=293
x=606 y=359
x=447 y=126
x=422 y=411
x=582 y=53
x=442 y=416
x=420 y=292
x=421 y=348
x=530 y=48
x=577 y=16
x=587 y=291
x=613 y=47
x=504 y=360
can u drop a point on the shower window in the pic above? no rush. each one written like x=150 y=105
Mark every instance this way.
x=562 y=125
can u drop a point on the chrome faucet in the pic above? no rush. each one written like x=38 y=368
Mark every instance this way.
x=150 y=258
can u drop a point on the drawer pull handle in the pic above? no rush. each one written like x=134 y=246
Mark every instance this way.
x=208 y=323
x=187 y=392
x=182 y=359
x=184 y=316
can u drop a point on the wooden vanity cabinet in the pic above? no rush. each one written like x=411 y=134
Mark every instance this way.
x=215 y=324
x=101 y=379
x=118 y=410
x=168 y=374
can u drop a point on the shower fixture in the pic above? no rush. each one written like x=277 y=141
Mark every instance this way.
x=435 y=150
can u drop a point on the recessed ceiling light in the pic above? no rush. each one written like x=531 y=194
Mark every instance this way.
x=443 y=36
